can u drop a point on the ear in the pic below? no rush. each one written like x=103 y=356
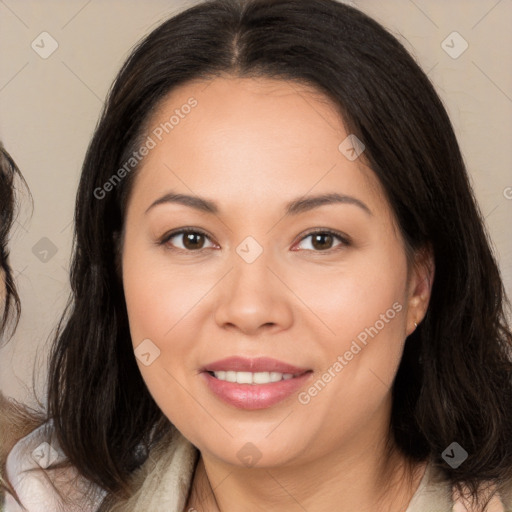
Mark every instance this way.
x=420 y=283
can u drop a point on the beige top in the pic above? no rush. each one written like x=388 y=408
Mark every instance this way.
x=164 y=481
x=435 y=495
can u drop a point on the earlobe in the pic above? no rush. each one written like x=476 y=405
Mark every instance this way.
x=421 y=287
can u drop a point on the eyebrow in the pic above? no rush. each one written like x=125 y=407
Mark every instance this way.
x=297 y=206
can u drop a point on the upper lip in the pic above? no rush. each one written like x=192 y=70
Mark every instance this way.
x=259 y=364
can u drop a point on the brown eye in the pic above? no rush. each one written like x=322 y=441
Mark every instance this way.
x=191 y=240
x=322 y=241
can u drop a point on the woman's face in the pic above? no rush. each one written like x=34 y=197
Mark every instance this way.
x=255 y=282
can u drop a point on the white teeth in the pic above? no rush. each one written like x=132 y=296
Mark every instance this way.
x=252 y=378
x=244 y=377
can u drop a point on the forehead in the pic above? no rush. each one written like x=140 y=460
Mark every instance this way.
x=262 y=108
x=250 y=138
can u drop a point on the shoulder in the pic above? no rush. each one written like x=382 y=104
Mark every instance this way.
x=40 y=487
x=506 y=495
x=496 y=498
x=164 y=481
x=434 y=494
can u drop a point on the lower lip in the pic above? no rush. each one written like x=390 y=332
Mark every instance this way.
x=254 y=396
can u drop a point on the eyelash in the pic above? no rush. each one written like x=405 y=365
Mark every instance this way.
x=168 y=236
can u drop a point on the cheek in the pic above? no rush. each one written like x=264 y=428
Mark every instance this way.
x=149 y=299
x=157 y=294
x=159 y=304
x=145 y=302
x=166 y=305
x=362 y=308
x=358 y=294
x=360 y=363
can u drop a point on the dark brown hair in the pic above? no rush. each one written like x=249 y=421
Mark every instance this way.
x=454 y=380
x=15 y=419
x=8 y=172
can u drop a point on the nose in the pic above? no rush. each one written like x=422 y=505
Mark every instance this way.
x=254 y=298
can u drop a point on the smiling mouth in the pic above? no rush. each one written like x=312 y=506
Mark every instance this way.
x=254 y=390
x=253 y=378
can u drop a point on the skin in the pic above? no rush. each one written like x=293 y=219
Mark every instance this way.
x=252 y=145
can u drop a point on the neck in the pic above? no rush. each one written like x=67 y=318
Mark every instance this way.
x=374 y=478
